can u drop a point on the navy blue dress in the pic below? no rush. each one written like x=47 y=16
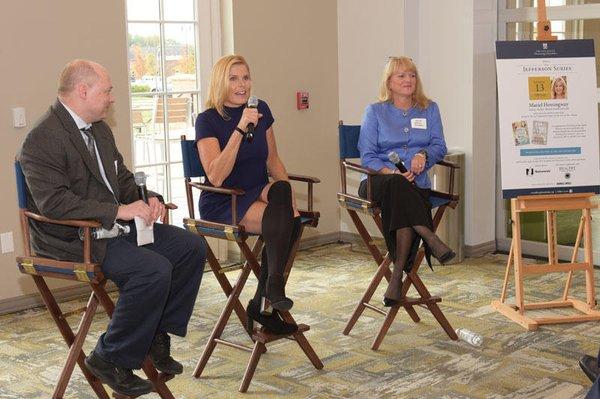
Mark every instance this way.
x=249 y=172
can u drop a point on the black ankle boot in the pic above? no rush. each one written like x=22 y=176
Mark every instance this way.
x=273 y=323
x=275 y=294
x=160 y=354
x=119 y=379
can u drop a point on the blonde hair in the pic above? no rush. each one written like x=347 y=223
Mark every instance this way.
x=564 y=82
x=219 y=82
x=394 y=63
x=75 y=72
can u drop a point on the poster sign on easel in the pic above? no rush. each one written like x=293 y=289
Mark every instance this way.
x=548 y=115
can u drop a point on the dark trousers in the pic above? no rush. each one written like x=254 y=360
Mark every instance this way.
x=594 y=392
x=158 y=284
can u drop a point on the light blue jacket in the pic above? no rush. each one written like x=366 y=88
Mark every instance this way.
x=386 y=128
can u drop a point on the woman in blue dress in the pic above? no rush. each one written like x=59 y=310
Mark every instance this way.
x=406 y=122
x=233 y=158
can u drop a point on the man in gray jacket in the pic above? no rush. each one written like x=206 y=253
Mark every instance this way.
x=74 y=171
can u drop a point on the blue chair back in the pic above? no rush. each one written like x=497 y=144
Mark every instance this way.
x=192 y=167
x=349 y=141
x=21 y=186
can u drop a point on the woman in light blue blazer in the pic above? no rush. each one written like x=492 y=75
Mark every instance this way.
x=405 y=125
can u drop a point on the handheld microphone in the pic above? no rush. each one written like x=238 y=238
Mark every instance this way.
x=252 y=103
x=140 y=181
x=395 y=158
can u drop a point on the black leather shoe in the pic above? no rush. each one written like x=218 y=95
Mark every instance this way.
x=120 y=379
x=389 y=302
x=160 y=354
x=589 y=365
x=273 y=323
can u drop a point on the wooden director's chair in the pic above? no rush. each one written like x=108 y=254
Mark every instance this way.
x=236 y=233
x=348 y=140
x=87 y=272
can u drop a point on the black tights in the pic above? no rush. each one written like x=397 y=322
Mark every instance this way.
x=405 y=238
x=407 y=245
x=263 y=275
x=278 y=227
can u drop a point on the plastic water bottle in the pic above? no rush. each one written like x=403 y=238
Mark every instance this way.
x=469 y=336
x=100 y=233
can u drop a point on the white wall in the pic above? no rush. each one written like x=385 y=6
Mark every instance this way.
x=481 y=219
x=367 y=36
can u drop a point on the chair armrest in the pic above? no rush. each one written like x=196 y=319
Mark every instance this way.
x=220 y=190
x=307 y=179
x=448 y=196
x=86 y=225
x=358 y=168
x=66 y=222
x=234 y=192
x=452 y=168
x=448 y=164
x=347 y=165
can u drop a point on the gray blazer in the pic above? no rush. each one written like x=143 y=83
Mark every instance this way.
x=64 y=182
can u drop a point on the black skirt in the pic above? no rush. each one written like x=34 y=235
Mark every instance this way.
x=402 y=203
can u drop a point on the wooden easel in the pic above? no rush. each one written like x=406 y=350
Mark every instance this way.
x=544 y=29
x=550 y=204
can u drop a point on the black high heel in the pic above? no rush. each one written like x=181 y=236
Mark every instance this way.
x=265 y=306
x=273 y=323
x=276 y=293
x=447 y=257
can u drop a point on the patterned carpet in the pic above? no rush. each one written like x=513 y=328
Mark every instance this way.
x=414 y=361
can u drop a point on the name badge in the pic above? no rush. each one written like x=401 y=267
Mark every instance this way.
x=418 y=123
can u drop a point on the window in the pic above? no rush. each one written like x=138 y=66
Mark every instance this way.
x=163 y=55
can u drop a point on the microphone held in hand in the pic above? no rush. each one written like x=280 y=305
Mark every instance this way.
x=140 y=181
x=395 y=159
x=252 y=103
x=100 y=234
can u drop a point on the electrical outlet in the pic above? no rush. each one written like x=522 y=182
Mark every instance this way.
x=19 y=119
x=7 y=243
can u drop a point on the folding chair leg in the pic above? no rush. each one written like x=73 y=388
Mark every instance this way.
x=308 y=350
x=389 y=319
x=75 y=351
x=433 y=307
x=69 y=337
x=225 y=313
x=382 y=271
x=393 y=312
x=303 y=342
x=412 y=313
x=260 y=336
x=158 y=379
x=225 y=285
x=366 y=237
x=259 y=349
